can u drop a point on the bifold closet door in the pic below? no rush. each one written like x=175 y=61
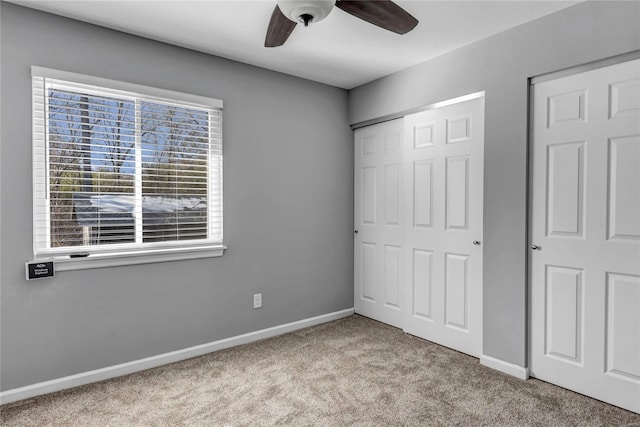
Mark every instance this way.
x=443 y=160
x=378 y=222
x=585 y=233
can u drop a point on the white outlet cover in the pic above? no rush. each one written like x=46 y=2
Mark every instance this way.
x=257 y=300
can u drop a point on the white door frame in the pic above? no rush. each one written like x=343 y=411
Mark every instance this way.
x=403 y=113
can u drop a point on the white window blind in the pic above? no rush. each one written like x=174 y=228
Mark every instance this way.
x=123 y=168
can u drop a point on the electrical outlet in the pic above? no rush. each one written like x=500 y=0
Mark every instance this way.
x=257 y=300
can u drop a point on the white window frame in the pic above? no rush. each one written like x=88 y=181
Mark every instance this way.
x=116 y=254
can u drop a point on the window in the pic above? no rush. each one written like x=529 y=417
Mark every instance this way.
x=122 y=169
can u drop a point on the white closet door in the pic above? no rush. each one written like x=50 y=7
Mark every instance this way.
x=443 y=220
x=378 y=221
x=585 y=233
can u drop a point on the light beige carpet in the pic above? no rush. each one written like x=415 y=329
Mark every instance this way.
x=354 y=371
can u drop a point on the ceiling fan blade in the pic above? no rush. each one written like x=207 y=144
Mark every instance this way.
x=279 y=30
x=383 y=13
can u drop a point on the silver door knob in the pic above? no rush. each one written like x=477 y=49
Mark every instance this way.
x=535 y=247
x=476 y=242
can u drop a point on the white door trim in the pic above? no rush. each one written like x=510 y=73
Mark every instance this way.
x=600 y=63
x=427 y=107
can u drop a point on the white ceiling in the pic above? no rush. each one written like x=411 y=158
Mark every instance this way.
x=341 y=50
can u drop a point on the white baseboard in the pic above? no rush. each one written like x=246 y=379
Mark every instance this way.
x=506 y=367
x=162 y=359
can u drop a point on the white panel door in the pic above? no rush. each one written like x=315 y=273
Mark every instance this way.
x=443 y=158
x=378 y=221
x=585 y=233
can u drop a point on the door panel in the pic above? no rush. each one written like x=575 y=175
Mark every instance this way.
x=585 y=228
x=392 y=194
x=422 y=189
x=421 y=285
x=379 y=253
x=624 y=187
x=368 y=192
x=456 y=291
x=369 y=273
x=565 y=207
x=392 y=276
x=457 y=192
x=444 y=174
x=623 y=326
x=564 y=288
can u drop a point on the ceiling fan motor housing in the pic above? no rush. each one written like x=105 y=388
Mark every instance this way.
x=306 y=11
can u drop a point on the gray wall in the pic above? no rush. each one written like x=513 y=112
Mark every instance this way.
x=500 y=65
x=288 y=210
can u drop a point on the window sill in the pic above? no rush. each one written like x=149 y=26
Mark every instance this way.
x=65 y=263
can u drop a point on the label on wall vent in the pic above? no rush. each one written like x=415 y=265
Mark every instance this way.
x=38 y=270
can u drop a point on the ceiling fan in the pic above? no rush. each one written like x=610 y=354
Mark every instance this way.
x=288 y=13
